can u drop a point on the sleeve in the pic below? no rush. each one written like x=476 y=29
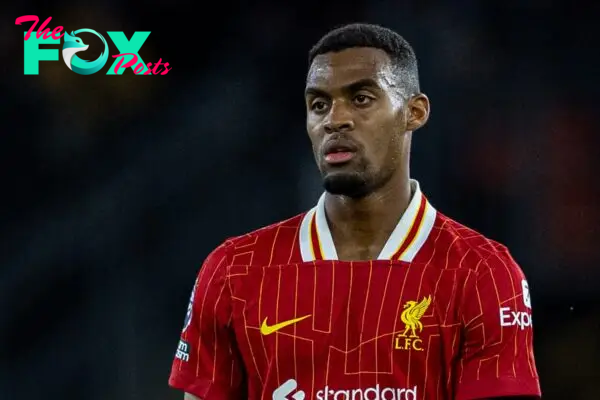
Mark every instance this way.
x=497 y=354
x=207 y=363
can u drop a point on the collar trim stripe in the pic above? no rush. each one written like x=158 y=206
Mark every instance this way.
x=421 y=236
x=306 y=250
x=315 y=241
x=413 y=231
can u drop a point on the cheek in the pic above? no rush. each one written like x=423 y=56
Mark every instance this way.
x=388 y=154
x=386 y=142
x=313 y=135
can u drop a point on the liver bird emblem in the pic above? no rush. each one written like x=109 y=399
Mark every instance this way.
x=411 y=316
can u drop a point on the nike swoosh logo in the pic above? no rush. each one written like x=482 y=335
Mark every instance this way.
x=267 y=330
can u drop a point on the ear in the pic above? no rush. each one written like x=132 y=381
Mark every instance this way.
x=418 y=112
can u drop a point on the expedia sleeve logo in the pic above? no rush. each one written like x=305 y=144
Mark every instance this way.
x=521 y=319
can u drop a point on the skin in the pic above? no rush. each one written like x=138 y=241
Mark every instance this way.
x=353 y=97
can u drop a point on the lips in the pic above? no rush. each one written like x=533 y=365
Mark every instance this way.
x=337 y=151
x=338 y=146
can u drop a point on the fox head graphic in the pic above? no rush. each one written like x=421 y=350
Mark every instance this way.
x=73 y=45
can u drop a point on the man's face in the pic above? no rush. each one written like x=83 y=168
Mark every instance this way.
x=356 y=120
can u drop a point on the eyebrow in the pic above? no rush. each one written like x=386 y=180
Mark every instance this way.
x=352 y=87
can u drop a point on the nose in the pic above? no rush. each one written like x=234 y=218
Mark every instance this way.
x=339 y=119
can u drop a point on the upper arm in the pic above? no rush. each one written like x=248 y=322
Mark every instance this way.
x=207 y=363
x=497 y=354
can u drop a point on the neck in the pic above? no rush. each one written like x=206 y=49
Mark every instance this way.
x=368 y=222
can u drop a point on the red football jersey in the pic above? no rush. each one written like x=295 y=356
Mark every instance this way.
x=443 y=313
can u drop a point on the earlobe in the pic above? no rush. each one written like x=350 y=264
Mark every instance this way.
x=418 y=112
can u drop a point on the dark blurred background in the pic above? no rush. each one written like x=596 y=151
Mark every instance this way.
x=115 y=188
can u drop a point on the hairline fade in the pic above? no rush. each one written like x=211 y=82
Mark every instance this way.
x=401 y=53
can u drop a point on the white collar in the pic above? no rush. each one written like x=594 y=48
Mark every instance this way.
x=316 y=242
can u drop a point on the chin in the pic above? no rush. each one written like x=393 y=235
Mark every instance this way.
x=349 y=184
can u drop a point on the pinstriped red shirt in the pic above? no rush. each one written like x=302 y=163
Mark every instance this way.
x=442 y=313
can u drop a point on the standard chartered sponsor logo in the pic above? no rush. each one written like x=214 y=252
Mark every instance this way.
x=373 y=393
x=288 y=391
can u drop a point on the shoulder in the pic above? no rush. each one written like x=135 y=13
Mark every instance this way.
x=468 y=248
x=276 y=243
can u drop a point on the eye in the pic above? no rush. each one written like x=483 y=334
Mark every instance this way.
x=318 y=106
x=362 y=99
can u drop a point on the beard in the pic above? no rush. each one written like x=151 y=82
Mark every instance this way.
x=355 y=184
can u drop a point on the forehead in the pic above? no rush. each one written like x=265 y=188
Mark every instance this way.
x=337 y=69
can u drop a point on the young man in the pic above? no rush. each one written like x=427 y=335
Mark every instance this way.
x=372 y=294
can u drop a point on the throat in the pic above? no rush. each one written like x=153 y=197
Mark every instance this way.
x=351 y=252
x=360 y=245
x=360 y=230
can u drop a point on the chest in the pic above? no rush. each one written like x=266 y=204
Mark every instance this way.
x=374 y=315
x=355 y=251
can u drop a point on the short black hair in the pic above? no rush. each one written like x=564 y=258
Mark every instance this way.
x=397 y=48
